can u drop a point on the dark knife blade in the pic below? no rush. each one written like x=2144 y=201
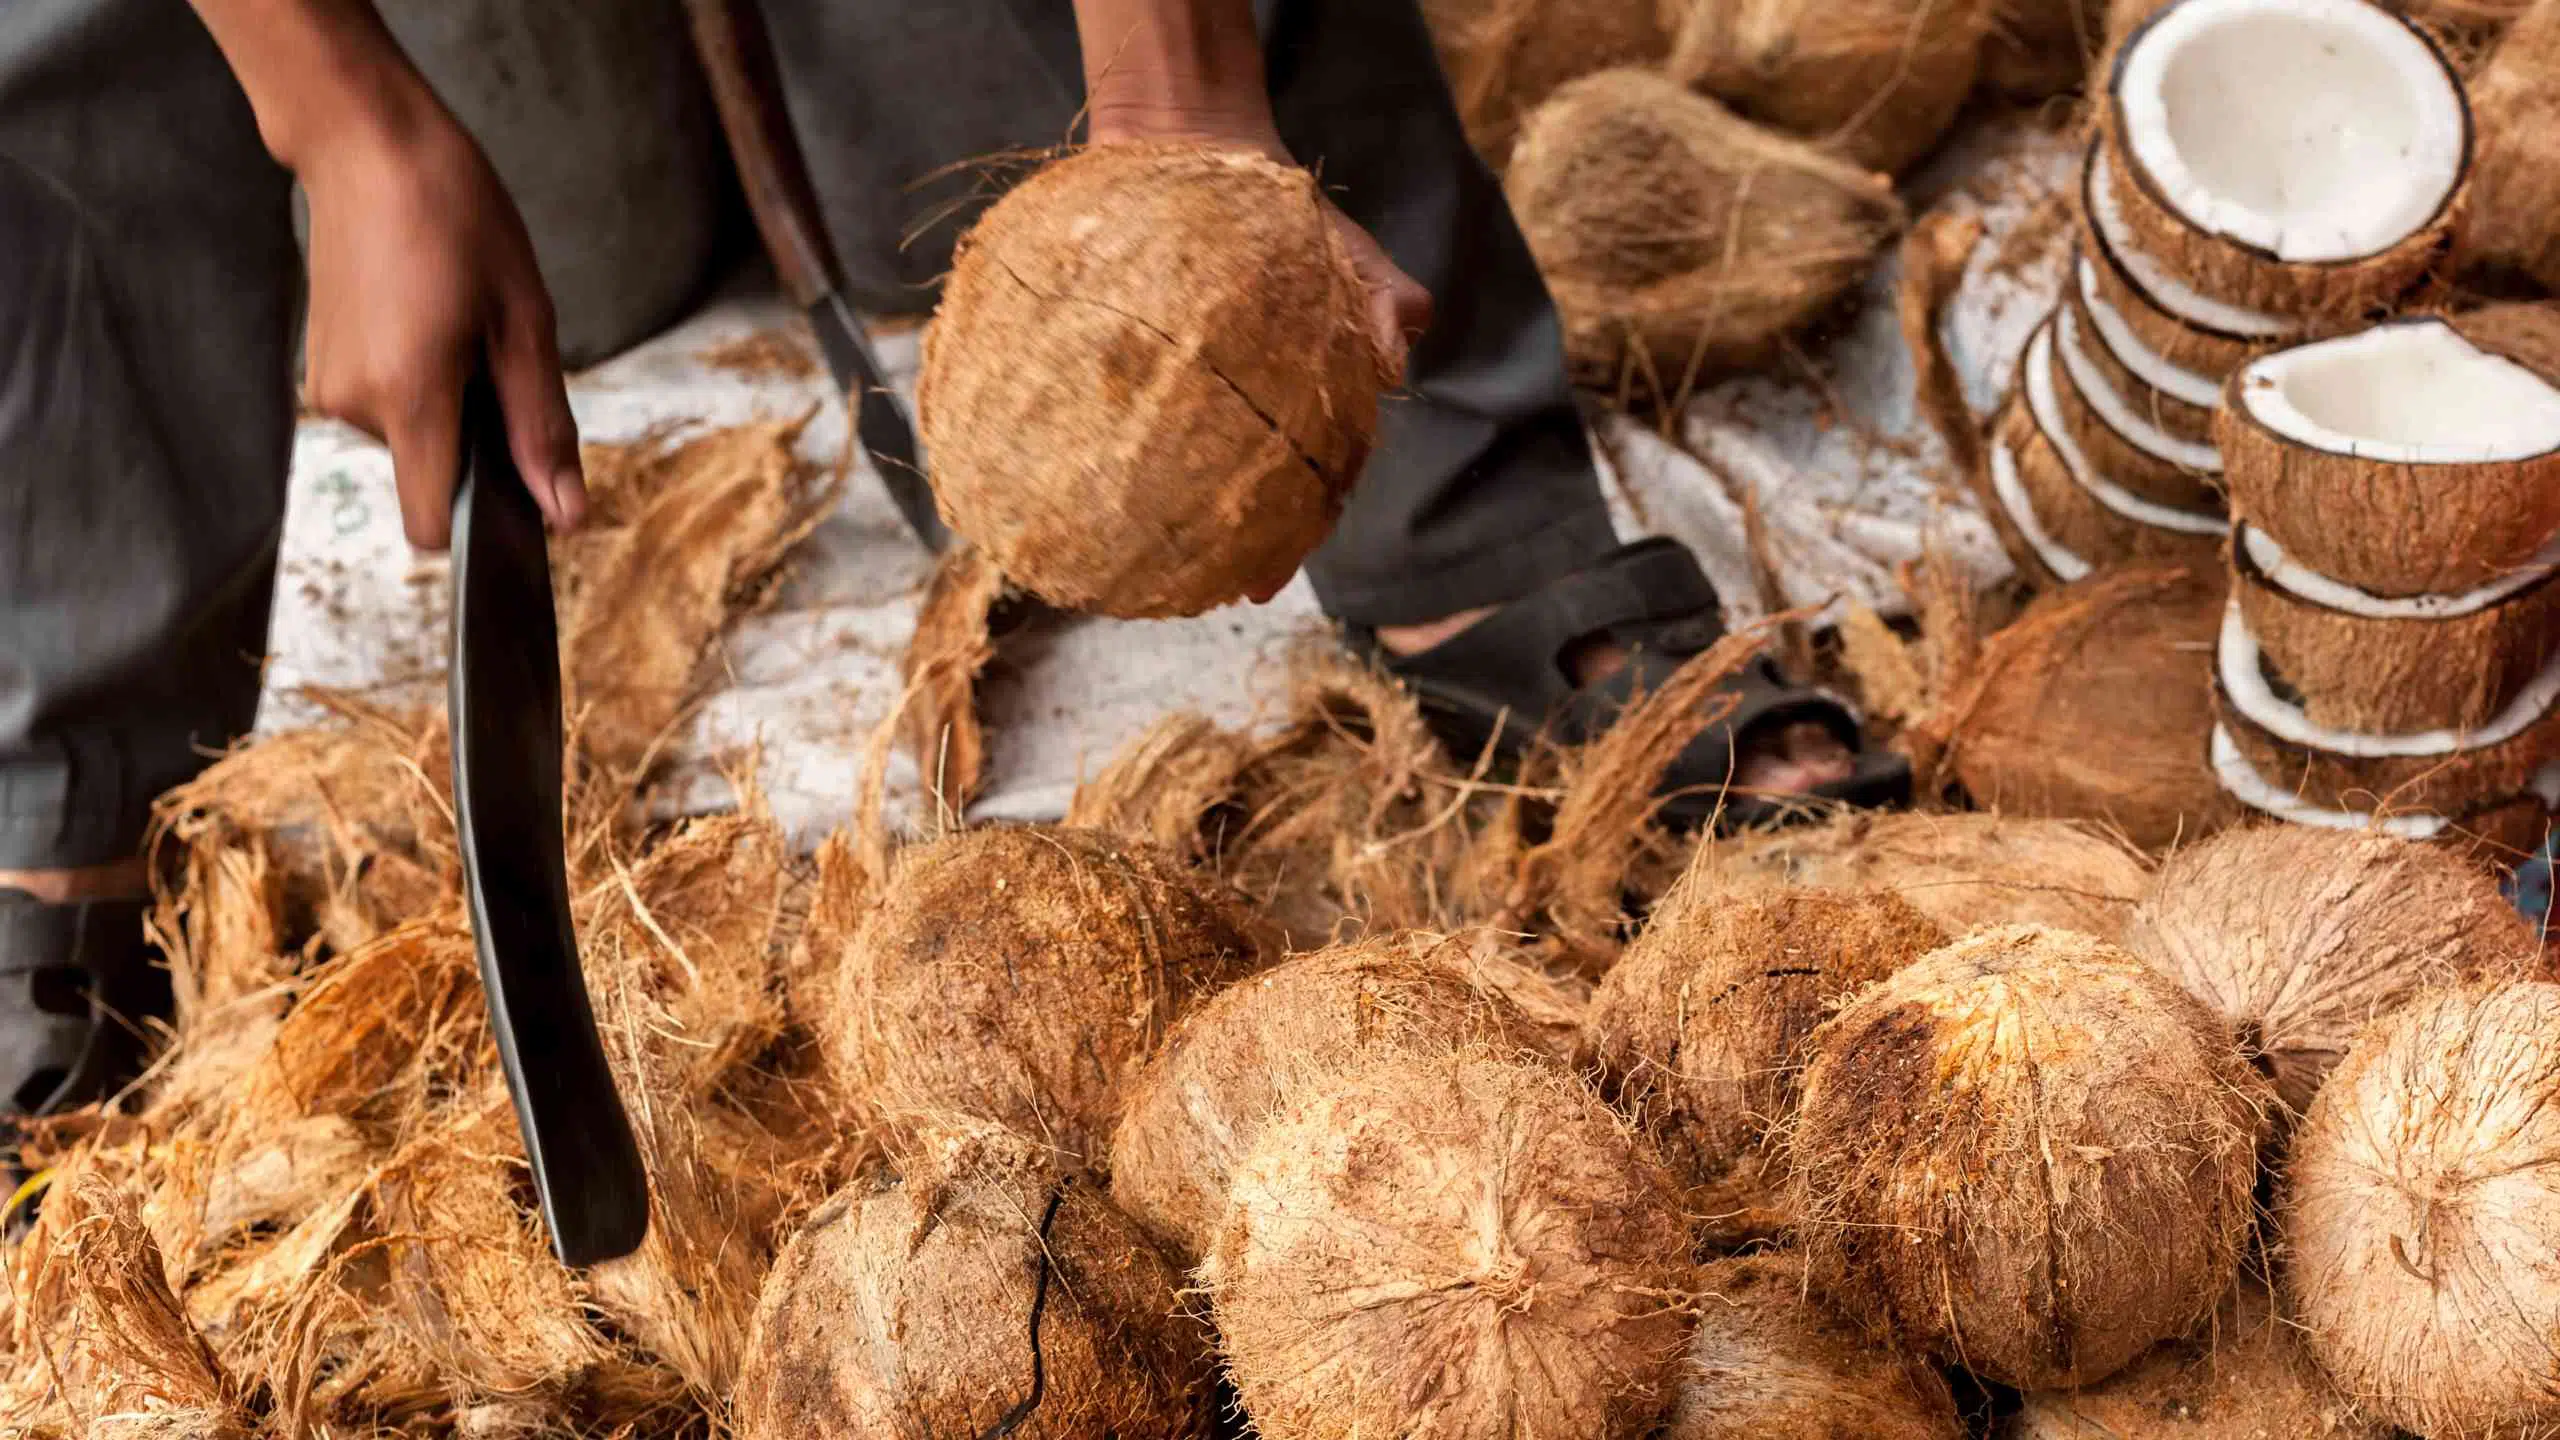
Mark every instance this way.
x=504 y=703
x=880 y=419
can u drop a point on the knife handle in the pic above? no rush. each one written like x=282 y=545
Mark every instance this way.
x=737 y=56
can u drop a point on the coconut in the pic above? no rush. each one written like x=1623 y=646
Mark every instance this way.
x=2129 y=288
x=2030 y=1154
x=2176 y=402
x=2300 y=156
x=1503 y=57
x=1678 y=238
x=2097 y=703
x=1151 y=379
x=2037 y=48
x=2062 y=520
x=1264 y=1041
x=1452 y=1245
x=1021 y=974
x=2502 y=829
x=1701 y=1026
x=2514 y=216
x=2378 y=665
x=2422 y=1215
x=2300 y=937
x=2245 y=1378
x=1879 y=81
x=1771 y=1359
x=981 y=1287
x=2414 y=458
x=2120 y=442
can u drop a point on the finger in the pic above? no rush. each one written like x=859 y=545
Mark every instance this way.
x=524 y=361
x=1387 y=328
x=424 y=430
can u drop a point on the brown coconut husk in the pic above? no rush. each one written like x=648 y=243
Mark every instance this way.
x=2515 y=100
x=2245 y=1377
x=1769 y=1358
x=1504 y=57
x=2381 y=675
x=1679 y=239
x=1020 y=975
x=2105 y=1129
x=2419 y=1212
x=2206 y=351
x=1151 y=378
x=2450 y=784
x=2112 y=453
x=1452 y=1245
x=1262 y=1043
x=1701 y=1027
x=1878 y=81
x=2074 y=518
x=2177 y=417
x=2358 y=924
x=2037 y=49
x=982 y=1289
x=2097 y=704
x=952 y=643
x=2401 y=529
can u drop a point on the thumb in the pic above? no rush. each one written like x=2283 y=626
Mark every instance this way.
x=524 y=364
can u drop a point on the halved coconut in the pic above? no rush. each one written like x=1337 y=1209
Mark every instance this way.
x=2503 y=829
x=2381 y=666
x=2187 y=332
x=2180 y=404
x=2414 y=458
x=2301 y=156
x=2121 y=443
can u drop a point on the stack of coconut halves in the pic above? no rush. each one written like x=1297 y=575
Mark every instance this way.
x=2239 y=363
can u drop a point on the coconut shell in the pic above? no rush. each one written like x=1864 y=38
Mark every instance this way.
x=1151 y=379
x=2447 y=784
x=2029 y=1154
x=2243 y=1378
x=2077 y=520
x=1878 y=81
x=2202 y=349
x=2112 y=453
x=2039 y=48
x=2422 y=1215
x=1262 y=1042
x=1771 y=1359
x=1503 y=57
x=2358 y=924
x=2097 y=704
x=1451 y=1246
x=2514 y=217
x=1701 y=1026
x=921 y=1308
x=1020 y=975
x=1679 y=239
x=2392 y=528
x=2382 y=675
x=2176 y=417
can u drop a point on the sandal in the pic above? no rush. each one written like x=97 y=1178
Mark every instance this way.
x=1652 y=599
x=76 y=983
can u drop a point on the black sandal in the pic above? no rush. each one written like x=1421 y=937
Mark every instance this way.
x=76 y=983
x=1651 y=598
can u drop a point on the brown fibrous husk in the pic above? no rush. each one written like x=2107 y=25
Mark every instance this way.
x=1503 y=57
x=2514 y=217
x=1771 y=1358
x=2037 y=49
x=1445 y=1246
x=1151 y=379
x=2245 y=1377
x=1878 y=81
x=2031 y=1154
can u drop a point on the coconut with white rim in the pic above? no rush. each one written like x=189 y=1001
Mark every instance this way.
x=2420 y=457
x=2178 y=403
x=2302 y=156
x=2121 y=441
x=2187 y=342
x=2498 y=829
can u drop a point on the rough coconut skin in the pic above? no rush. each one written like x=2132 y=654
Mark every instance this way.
x=1259 y=1044
x=1770 y=1359
x=2422 y=1215
x=2175 y=416
x=2243 y=1378
x=2030 y=1155
x=1021 y=975
x=1446 y=1247
x=1701 y=1026
x=2076 y=519
x=905 y=1310
x=2208 y=352
x=2116 y=455
x=2446 y=784
x=1878 y=81
x=1151 y=379
x=2515 y=100
x=2358 y=924
x=1678 y=238
x=1504 y=57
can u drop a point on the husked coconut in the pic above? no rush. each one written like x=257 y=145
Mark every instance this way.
x=1260 y=1043
x=2302 y=156
x=1503 y=57
x=1451 y=1246
x=2097 y=703
x=2379 y=665
x=2420 y=457
x=1771 y=1359
x=2037 y=48
x=1151 y=379
x=2500 y=829
x=1678 y=239
x=2245 y=1377
x=2298 y=938
x=979 y=1285
x=2176 y=402
x=1879 y=81
x=2421 y=1215
x=2146 y=308
x=2122 y=442
x=1020 y=975
x=1701 y=1025
x=2029 y=1154
x=2513 y=220
x=2061 y=520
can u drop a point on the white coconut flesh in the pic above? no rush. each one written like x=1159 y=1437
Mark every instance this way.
x=2242 y=782
x=2244 y=680
x=2012 y=494
x=2162 y=285
x=2314 y=131
x=2410 y=393
x=2117 y=412
x=2304 y=583
x=2044 y=403
x=2156 y=370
